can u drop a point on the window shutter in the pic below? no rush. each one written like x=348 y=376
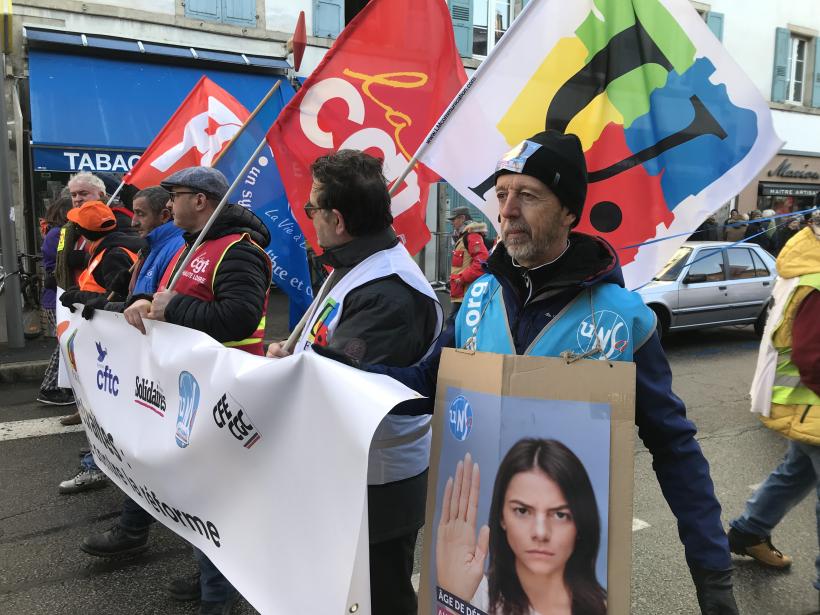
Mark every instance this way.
x=780 y=77
x=204 y=9
x=328 y=17
x=461 y=12
x=815 y=96
x=240 y=12
x=715 y=23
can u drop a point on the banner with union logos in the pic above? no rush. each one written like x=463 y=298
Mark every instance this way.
x=379 y=89
x=670 y=125
x=260 y=463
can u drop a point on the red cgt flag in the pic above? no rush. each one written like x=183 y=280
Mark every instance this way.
x=380 y=88
x=198 y=130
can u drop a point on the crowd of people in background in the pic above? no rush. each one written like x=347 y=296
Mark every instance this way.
x=766 y=228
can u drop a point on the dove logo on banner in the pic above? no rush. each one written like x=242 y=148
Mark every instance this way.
x=207 y=132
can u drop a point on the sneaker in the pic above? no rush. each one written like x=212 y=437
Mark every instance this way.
x=84 y=481
x=71 y=419
x=185 y=588
x=56 y=397
x=115 y=542
x=206 y=607
x=759 y=548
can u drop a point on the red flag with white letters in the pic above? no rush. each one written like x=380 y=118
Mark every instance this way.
x=198 y=130
x=379 y=89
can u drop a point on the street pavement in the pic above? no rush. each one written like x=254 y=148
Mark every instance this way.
x=42 y=569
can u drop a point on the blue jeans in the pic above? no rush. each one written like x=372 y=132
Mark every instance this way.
x=214 y=586
x=134 y=518
x=792 y=481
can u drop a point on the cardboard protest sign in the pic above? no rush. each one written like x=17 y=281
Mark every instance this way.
x=530 y=481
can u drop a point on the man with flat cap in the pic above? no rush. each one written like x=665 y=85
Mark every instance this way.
x=223 y=291
x=469 y=253
x=540 y=284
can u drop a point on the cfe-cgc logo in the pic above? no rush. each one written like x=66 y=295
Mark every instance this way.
x=188 y=404
x=229 y=413
x=149 y=395
x=460 y=418
x=611 y=337
x=107 y=380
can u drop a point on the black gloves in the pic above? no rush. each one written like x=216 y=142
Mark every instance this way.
x=119 y=282
x=714 y=590
x=70 y=297
x=91 y=306
x=324 y=351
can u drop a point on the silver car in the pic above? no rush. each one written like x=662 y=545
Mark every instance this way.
x=712 y=284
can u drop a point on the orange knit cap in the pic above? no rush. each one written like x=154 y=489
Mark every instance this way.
x=93 y=216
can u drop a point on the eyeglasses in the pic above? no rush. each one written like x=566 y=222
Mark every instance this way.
x=173 y=195
x=310 y=210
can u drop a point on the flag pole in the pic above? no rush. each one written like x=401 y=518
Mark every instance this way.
x=251 y=117
x=217 y=211
x=116 y=192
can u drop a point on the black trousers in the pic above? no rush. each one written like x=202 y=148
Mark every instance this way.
x=391 y=565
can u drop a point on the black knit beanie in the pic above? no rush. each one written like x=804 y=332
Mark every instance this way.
x=557 y=160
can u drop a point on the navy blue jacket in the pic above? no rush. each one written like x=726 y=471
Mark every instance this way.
x=532 y=298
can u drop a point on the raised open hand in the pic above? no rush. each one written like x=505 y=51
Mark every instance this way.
x=460 y=555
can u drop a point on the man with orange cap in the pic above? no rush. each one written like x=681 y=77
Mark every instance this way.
x=111 y=254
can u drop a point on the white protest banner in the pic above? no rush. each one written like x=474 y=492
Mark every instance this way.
x=260 y=463
x=670 y=125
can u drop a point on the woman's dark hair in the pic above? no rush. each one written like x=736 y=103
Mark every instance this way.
x=562 y=466
x=353 y=183
x=57 y=212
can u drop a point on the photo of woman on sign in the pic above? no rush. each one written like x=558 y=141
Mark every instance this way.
x=542 y=537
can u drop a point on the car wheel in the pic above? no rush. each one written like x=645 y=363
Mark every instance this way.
x=663 y=320
x=760 y=323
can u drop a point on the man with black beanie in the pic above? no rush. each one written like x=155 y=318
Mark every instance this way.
x=542 y=284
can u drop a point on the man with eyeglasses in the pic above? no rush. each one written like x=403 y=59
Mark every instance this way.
x=223 y=291
x=376 y=306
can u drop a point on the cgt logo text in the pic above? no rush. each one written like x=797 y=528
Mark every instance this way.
x=149 y=395
x=612 y=335
x=107 y=380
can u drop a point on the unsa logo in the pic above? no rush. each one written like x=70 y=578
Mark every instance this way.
x=460 y=418
x=612 y=334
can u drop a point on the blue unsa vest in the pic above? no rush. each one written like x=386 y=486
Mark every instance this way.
x=615 y=318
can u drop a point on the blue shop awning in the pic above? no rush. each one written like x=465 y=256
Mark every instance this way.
x=98 y=113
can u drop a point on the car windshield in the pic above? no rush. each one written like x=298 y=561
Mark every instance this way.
x=672 y=269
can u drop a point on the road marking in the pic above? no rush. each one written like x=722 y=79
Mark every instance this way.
x=34 y=428
x=415 y=581
x=638 y=525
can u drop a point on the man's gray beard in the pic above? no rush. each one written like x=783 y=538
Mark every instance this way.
x=528 y=251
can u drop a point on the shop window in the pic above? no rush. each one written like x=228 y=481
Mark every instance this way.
x=793 y=81
x=234 y=12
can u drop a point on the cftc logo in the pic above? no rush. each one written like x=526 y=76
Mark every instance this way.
x=612 y=335
x=460 y=418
